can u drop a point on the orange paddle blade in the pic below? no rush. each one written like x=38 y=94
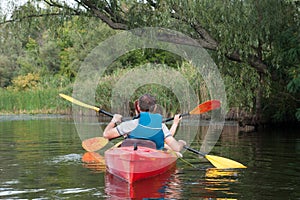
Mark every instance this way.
x=205 y=107
x=94 y=144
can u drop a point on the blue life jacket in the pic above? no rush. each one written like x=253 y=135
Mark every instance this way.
x=149 y=128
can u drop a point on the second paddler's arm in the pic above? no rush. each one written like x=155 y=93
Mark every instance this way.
x=175 y=124
x=174 y=144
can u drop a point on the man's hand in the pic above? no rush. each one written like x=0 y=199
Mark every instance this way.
x=117 y=118
x=110 y=131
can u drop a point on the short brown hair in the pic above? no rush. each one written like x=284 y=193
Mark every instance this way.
x=146 y=102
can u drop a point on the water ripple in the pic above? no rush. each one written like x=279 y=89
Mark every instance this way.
x=69 y=158
x=10 y=191
x=73 y=190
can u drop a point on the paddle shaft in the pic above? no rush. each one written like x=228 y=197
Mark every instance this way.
x=208 y=108
x=166 y=120
x=201 y=108
x=172 y=118
x=106 y=113
x=193 y=150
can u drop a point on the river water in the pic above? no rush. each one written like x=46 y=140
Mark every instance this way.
x=42 y=158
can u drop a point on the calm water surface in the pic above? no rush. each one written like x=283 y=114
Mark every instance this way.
x=41 y=158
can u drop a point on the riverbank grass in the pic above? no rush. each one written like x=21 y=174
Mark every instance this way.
x=32 y=102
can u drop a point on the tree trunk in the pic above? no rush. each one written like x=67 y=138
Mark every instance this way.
x=256 y=120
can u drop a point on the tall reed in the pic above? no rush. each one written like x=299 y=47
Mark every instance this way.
x=31 y=101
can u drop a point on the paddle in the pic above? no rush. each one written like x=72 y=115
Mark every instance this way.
x=217 y=161
x=95 y=143
x=201 y=108
x=71 y=99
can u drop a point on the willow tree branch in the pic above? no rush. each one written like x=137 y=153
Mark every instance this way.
x=106 y=17
x=208 y=42
x=31 y=16
x=205 y=39
x=52 y=3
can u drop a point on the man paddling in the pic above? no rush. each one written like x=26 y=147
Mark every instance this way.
x=148 y=126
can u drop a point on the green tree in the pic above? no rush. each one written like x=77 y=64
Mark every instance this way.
x=48 y=43
x=260 y=38
x=10 y=49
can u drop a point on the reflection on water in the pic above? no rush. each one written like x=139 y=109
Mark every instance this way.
x=214 y=175
x=43 y=159
x=166 y=185
x=155 y=187
x=220 y=180
x=94 y=161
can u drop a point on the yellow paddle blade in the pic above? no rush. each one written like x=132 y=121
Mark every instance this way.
x=94 y=144
x=71 y=99
x=223 y=163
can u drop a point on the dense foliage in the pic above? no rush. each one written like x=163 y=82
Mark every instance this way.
x=256 y=45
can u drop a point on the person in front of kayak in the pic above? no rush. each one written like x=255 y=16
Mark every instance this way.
x=148 y=126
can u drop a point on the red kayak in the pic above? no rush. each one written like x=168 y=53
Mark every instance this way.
x=135 y=163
